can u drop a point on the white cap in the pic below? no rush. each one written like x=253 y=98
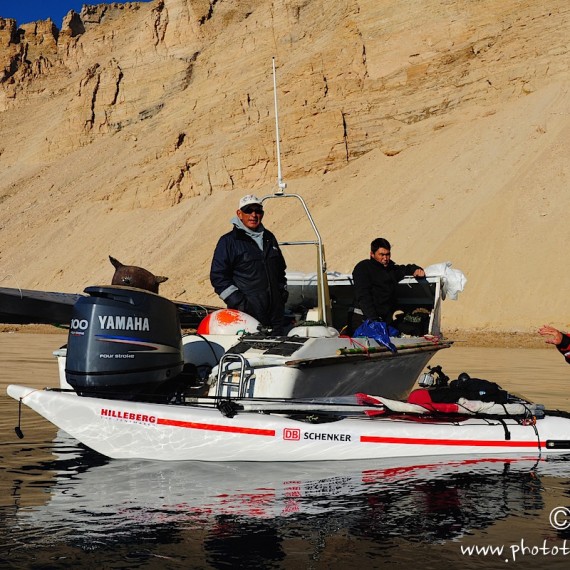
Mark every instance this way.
x=247 y=200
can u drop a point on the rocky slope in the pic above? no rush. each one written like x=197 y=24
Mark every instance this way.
x=440 y=124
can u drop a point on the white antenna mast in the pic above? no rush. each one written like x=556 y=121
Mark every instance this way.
x=280 y=184
x=323 y=300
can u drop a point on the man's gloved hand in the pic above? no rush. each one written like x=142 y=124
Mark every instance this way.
x=237 y=300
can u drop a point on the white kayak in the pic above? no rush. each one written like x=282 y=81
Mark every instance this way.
x=271 y=431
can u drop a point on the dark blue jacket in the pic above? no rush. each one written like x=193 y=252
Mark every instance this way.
x=251 y=280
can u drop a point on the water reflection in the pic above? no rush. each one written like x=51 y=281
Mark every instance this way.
x=94 y=502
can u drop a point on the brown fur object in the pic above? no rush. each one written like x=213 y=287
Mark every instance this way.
x=133 y=276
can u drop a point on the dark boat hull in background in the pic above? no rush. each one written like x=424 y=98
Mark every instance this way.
x=27 y=306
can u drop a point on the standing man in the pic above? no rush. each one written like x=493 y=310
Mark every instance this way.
x=375 y=281
x=248 y=268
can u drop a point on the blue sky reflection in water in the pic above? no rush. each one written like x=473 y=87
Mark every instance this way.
x=26 y=11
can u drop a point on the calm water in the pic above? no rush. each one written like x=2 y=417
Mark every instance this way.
x=63 y=506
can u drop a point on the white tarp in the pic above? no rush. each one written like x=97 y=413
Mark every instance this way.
x=453 y=279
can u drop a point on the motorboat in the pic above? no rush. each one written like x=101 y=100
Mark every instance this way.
x=229 y=353
x=133 y=386
x=128 y=393
x=315 y=358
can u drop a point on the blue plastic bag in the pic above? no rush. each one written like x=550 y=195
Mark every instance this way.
x=379 y=331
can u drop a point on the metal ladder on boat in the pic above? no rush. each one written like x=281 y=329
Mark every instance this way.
x=236 y=380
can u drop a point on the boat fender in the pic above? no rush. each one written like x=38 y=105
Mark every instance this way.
x=228 y=321
x=313 y=331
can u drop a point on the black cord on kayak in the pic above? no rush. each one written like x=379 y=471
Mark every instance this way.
x=17 y=429
x=507 y=432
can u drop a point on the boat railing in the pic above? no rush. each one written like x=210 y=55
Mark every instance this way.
x=235 y=376
x=323 y=296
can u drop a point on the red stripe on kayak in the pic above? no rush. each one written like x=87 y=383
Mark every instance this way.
x=466 y=442
x=215 y=427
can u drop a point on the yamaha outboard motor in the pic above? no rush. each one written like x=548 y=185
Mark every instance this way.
x=122 y=342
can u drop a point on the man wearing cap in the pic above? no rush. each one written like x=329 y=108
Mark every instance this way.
x=248 y=268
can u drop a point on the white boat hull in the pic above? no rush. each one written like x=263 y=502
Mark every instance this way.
x=121 y=429
x=336 y=366
x=391 y=377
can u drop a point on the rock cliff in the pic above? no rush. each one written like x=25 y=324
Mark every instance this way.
x=440 y=124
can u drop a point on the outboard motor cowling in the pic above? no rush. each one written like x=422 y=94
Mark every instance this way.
x=122 y=341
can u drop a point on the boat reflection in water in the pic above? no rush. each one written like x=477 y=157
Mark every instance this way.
x=433 y=500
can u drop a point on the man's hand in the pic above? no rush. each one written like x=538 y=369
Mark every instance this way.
x=554 y=334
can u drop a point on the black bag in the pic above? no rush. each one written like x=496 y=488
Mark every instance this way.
x=415 y=323
x=470 y=389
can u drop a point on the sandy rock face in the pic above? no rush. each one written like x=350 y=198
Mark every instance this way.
x=26 y=54
x=139 y=125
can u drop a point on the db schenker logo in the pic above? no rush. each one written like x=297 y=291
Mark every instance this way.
x=293 y=434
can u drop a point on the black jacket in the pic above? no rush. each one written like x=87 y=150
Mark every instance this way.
x=375 y=287
x=248 y=279
x=564 y=347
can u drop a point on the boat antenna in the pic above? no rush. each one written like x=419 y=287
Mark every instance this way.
x=280 y=184
x=323 y=297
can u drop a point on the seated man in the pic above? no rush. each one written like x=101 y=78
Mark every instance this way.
x=375 y=281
